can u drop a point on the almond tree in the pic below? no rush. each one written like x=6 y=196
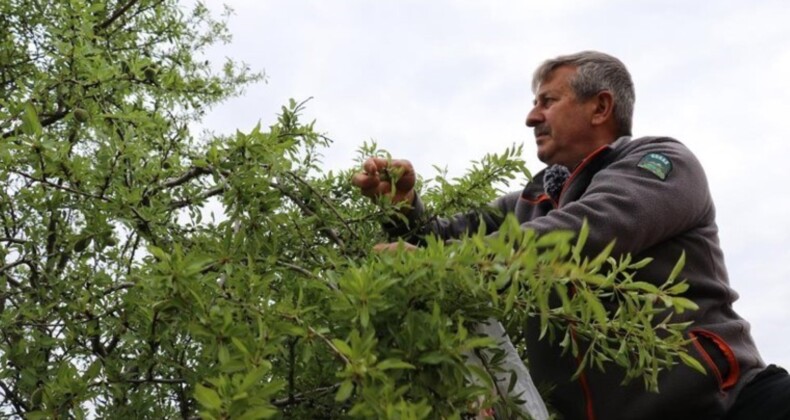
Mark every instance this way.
x=120 y=297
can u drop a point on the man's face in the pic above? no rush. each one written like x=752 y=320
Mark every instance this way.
x=560 y=121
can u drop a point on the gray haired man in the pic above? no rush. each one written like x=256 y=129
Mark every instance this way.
x=651 y=196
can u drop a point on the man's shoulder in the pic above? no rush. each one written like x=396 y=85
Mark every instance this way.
x=649 y=144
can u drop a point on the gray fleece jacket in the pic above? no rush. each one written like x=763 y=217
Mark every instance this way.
x=651 y=196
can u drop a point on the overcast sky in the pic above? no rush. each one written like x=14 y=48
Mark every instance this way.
x=444 y=82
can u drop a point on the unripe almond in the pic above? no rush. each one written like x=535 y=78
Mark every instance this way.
x=81 y=115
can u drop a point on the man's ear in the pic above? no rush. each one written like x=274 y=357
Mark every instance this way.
x=604 y=108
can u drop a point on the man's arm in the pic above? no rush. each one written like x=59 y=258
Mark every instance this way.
x=417 y=226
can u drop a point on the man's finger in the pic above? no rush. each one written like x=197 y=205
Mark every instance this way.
x=406 y=175
x=374 y=165
x=365 y=181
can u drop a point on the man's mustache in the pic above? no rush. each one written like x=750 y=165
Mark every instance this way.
x=541 y=130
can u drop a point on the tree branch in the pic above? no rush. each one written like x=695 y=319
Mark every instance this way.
x=56 y=186
x=202 y=196
x=324 y=200
x=304 y=272
x=331 y=234
x=57 y=116
x=13 y=264
x=189 y=175
x=19 y=405
x=118 y=13
x=297 y=398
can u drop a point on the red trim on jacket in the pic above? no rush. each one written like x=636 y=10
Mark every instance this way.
x=586 y=161
x=539 y=199
x=588 y=406
x=735 y=369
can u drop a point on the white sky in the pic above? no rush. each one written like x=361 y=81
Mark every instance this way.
x=443 y=82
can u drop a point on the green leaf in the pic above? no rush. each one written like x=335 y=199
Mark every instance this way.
x=678 y=289
x=640 y=264
x=597 y=308
x=223 y=355
x=240 y=345
x=253 y=377
x=262 y=412
x=434 y=358
x=346 y=387
x=584 y=232
x=678 y=268
x=342 y=346
x=602 y=257
x=207 y=397
x=393 y=364
x=691 y=362
x=30 y=122
x=641 y=286
x=680 y=304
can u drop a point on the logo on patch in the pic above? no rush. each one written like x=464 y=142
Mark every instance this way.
x=657 y=163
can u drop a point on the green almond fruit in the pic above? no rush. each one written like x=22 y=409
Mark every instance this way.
x=81 y=115
x=150 y=74
x=82 y=243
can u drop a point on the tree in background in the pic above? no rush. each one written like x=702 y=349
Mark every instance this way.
x=119 y=299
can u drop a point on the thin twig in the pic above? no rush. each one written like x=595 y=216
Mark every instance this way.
x=303 y=271
x=56 y=186
x=202 y=196
x=13 y=264
x=189 y=175
x=297 y=398
x=325 y=201
x=307 y=210
x=118 y=13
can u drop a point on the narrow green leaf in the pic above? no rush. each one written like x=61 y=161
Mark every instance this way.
x=207 y=397
x=678 y=267
x=597 y=308
x=30 y=122
x=253 y=377
x=678 y=289
x=394 y=364
x=641 y=286
x=640 y=264
x=263 y=412
x=239 y=345
x=223 y=355
x=342 y=346
x=602 y=257
x=680 y=304
x=691 y=362
x=584 y=232
x=344 y=391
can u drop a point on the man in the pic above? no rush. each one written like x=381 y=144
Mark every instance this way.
x=652 y=197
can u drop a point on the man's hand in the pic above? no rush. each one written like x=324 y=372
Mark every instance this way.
x=378 y=174
x=392 y=247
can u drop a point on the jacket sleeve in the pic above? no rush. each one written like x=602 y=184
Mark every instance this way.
x=418 y=225
x=634 y=206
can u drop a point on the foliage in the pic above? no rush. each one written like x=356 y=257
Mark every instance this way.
x=119 y=299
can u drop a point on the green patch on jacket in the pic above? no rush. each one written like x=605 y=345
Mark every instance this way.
x=657 y=164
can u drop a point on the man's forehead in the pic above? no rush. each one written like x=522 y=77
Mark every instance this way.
x=556 y=80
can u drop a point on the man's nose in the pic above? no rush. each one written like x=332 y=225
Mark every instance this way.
x=534 y=117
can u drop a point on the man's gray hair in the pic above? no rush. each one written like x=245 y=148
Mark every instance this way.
x=596 y=72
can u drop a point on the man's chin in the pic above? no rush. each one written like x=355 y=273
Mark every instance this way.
x=544 y=157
